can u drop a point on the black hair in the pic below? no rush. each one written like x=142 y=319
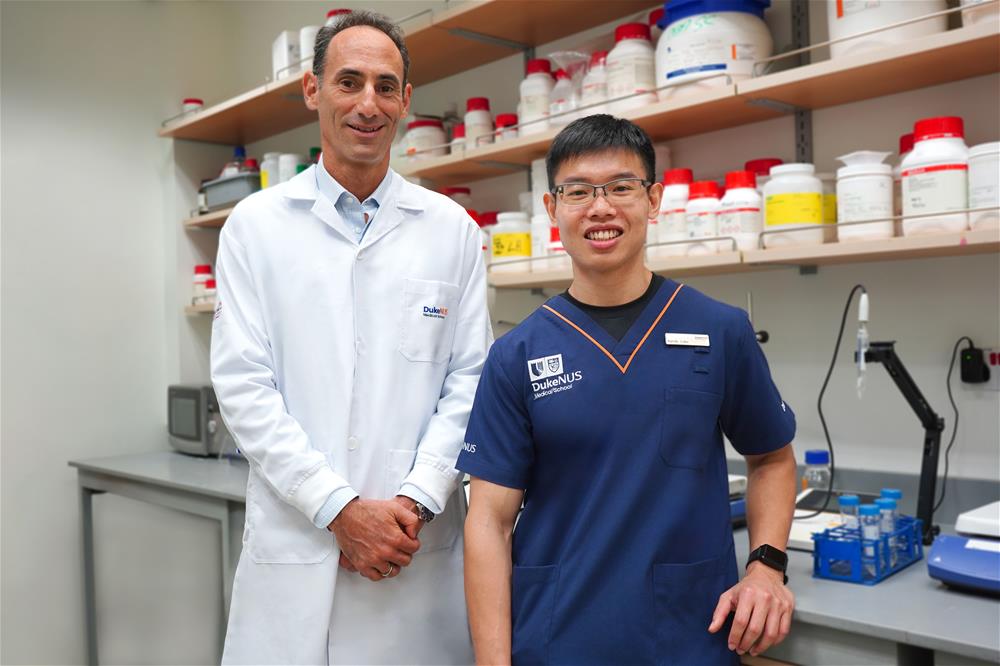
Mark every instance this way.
x=597 y=134
x=352 y=20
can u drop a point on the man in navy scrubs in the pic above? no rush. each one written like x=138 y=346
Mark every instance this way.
x=603 y=412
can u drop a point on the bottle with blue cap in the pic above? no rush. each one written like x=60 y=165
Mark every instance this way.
x=871 y=519
x=887 y=517
x=849 y=511
x=817 y=474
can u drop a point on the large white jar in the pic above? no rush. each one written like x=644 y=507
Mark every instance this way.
x=702 y=213
x=478 y=122
x=710 y=43
x=864 y=192
x=511 y=239
x=936 y=177
x=425 y=138
x=594 y=90
x=533 y=109
x=793 y=199
x=849 y=17
x=631 y=69
x=672 y=226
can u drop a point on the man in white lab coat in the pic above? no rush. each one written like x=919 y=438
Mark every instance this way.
x=347 y=345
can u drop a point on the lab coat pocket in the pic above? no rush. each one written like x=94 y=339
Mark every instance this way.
x=533 y=592
x=278 y=533
x=685 y=598
x=427 y=328
x=690 y=427
x=440 y=533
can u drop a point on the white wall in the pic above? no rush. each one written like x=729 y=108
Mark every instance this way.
x=84 y=87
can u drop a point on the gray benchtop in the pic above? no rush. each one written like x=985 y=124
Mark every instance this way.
x=223 y=478
x=908 y=607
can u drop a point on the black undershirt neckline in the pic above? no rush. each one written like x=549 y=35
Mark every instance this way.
x=618 y=319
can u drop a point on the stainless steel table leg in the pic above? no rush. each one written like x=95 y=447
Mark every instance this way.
x=89 y=589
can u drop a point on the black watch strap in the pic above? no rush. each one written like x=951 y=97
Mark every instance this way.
x=770 y=556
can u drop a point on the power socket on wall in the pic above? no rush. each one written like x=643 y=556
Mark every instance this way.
x=991 y=357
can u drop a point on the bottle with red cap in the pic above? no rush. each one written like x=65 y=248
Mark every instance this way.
x=672 y=226
x=535 y=89
x=935 y=177
x=425 y=138
x=631 y=68
x=460 y=195
x=739 y=211
x=478 y=122
x=594 y=91
x=458 y=139
x=702 y=213
x=192 y=104
x=564 y=100
x=506 y=126
x=655 y=30
x=331 y=16
x=761 y=169
x=202 y=274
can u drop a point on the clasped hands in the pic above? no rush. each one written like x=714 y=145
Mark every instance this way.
x=377 y=538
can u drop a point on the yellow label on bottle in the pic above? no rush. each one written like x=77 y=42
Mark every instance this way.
x=511 y=245
x=264 y=178
x=794 y=208
x=829 y=209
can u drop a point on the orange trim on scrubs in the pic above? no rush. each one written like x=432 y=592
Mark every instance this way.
x=622 y=368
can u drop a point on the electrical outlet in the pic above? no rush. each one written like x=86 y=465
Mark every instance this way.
x=992 y=359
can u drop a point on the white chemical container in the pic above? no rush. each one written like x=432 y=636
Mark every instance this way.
x=740 y=215
x=984 y=185
x=702 y=212
x=307 y=45
x=935 y=177
x=511 y=242
x=703 y=48
x=425 y=138
x=535 y=89
x=974 y=11
x=557 y=259
x=905 y=147
x=287 y=166
x=654 y=20
x=761 y=169
x=460 y=195
x=331 y=16
x=191 y=104
x=269 y=167
x=793 y=199
x=631 y=68
x=202 y=274
x=564 y=100
x=285 y=54
x=829 y=181
x=506 y=127
x=478 y=122
x=864 y=192
x=849 y=17
x=673 y=216
x=594 y=90
x=540 y=225
x=458 y=139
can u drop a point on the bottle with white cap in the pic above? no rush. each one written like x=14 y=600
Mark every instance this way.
x=935 y=177
x=864 y=192
x=984 y=185
x=478 y=122
x=511 y=243
x=594 y=90
x=793 y=199
x=631 y=68
x=673 y=216
x=739 y=211
x=535 y=90
x=564 y=100
x=702 y=213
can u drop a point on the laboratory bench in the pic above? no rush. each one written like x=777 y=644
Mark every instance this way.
x=909 y=618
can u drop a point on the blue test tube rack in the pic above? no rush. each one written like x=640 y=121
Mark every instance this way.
x=839 y=552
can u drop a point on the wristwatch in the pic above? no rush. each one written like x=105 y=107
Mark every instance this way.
x=423 y=513
x=773 y=557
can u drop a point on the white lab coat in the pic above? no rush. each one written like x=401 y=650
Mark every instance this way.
x=338 y=364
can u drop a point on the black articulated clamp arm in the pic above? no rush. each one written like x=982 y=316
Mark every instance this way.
x=885 y=353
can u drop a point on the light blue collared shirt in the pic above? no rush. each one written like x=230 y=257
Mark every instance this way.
x=358 y=216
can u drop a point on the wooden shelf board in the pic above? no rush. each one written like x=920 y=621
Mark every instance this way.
x=213 y=220
x=932 y=60
x=204 y=308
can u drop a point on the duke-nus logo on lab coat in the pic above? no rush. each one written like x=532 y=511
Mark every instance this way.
x=435 y=312
x=547 y=366
x=548 y=376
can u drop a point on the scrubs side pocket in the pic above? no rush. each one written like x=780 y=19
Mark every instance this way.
x=427 y=329
x=533 y=591
x=440 y=533
x=685 y=598
x=278 y=533
x=690 y=427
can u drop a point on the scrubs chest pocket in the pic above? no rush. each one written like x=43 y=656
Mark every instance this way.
x=427 y=328
x=690 y=427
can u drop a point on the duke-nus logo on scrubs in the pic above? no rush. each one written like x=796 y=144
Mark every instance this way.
x=548 y=376
x=547 y=366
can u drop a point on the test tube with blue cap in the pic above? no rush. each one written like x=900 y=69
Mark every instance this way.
x=887 y=514
x=849 y=511
x=870 y=531
x=894 y=494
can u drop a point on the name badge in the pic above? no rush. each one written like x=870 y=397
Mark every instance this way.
x=687 y=339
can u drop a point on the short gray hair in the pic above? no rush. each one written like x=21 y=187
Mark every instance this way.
x=355 y=19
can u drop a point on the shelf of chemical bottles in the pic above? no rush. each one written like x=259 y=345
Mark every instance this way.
x=471 y=34
x=200 y=308
x=931 y=60
x=213 y=220
x=981 y=241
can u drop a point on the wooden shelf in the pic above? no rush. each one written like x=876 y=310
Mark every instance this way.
x=967 y=243
x=931 y=60
x=437 y=49
x=204 y=308
x=213 y=220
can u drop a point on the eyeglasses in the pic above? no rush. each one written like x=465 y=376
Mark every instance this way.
x=623 y=190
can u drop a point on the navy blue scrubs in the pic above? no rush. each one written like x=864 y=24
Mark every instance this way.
x=624 y=543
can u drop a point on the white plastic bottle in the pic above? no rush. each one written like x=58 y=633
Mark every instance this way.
x=511 y=242
x=287 y=166
x=702 y=48
x=761 y=169
x=849 y=17
x=307 y=45
x=425 y=138
x=331 y=16
x=594 y=91
x=557 y=260
x=269 y=170
x=535 y=89
x=202 y=274
x=564 y=100
x=974 y=12
x=458 y=139
x=540 y=234
x=864 y=192
x=478 y=122
x=935 y=177
x=506 y=126
x=984 y=185
x=673 y=214
x=829 y=182
x=740 y=215
x=793 y=199
x=702 y=213
x=631 y=68
x=905 y=148
x=460 y=195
